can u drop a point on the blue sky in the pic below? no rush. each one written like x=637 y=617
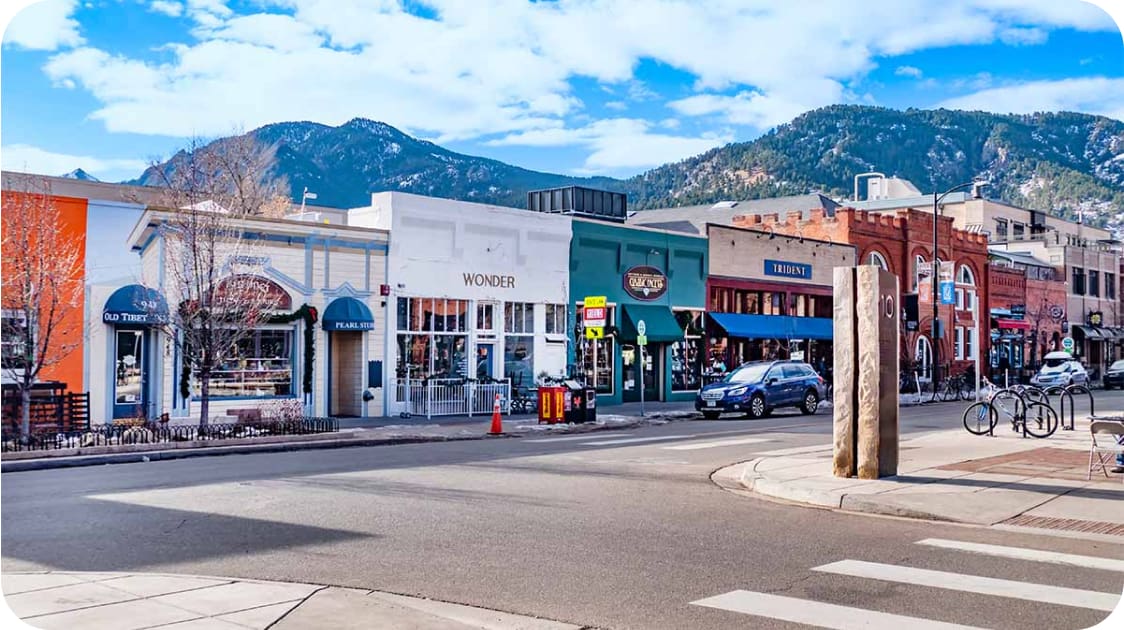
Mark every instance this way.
x=609 y=87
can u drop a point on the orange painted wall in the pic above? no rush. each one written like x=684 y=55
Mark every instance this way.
x=72 y=212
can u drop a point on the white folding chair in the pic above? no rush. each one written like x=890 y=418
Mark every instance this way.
x=1106 y=445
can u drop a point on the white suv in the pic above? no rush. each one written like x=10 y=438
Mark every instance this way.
x=1060 y=369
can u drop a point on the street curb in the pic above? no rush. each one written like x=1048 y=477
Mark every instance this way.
x=214 y=451
x=49 y=463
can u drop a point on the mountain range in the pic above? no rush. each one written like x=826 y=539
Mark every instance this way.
x=1066 y=163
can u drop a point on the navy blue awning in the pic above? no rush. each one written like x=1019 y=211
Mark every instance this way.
x=774 y=326
x=348 y=313
x=135 y=304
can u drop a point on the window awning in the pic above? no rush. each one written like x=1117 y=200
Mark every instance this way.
x=348 y=313
x=1091 y=332
x=659 y=322
x=774 y=326
x=135 y=304
x=1014 y=324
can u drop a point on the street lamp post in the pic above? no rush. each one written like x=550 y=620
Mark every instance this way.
x=934 y=274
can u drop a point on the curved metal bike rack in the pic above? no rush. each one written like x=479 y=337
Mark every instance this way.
x=1067 y=393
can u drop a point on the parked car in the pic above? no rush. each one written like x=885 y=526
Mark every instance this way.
x=759 y=387
x=1114 y=377
x=1060 y=369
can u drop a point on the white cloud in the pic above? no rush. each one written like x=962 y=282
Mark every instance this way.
x=44 y=25
x=619 y=106
x=1097 y=95
x=1023 y=36
x=908 y=71
x=27 y=158
x=169 y=8
x=500 y=67
x=618 y=143
x=758 y=109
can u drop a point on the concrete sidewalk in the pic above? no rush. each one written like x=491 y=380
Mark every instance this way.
x=400 y=432
x=951 y=475
x=128 y=601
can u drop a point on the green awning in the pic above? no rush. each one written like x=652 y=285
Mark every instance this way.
x=659 y=321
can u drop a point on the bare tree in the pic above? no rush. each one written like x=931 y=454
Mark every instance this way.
x=42 y=288
x=218 y=300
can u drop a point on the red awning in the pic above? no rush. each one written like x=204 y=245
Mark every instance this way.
x=1013 y=323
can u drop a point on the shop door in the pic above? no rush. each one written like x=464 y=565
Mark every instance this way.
x=130 y=376
x=345 y=383
x=484 y=360
x=635 y=377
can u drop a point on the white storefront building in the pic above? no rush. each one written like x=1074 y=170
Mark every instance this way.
x=478 y=294
x=323 y=345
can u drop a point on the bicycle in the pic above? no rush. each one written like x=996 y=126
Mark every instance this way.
x=1034 y=418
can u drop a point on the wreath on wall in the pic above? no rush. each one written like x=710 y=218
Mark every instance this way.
x=309 y=314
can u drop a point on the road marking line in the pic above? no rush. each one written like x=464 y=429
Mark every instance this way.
x=1040 y=593
x=633 y=440
x=715 y=444
x=573 y=437
x=798 y=450
x=1091 y=562
x=819 y=614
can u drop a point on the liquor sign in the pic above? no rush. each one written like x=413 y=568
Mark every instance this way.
x=594 y=312
x=645 y=283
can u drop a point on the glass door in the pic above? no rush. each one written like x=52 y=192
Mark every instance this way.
x=129 y=374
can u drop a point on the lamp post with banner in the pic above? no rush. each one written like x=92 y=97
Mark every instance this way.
x=934 y=273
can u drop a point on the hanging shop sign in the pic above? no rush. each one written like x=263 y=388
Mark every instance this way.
x=786 y=269
x=645 y=283
x=1096 y=318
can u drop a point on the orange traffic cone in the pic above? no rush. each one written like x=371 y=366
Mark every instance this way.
x=497 y=423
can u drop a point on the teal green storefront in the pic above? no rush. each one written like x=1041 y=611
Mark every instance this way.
x=647 y=275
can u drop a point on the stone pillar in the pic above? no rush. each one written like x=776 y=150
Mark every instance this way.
x=845 y=399
x=867 y=319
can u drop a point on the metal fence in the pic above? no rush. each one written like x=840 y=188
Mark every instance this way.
x=116 y=434
x=450 y=396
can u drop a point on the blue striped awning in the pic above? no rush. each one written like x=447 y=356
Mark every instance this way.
x=773 y=326
x=348 y=313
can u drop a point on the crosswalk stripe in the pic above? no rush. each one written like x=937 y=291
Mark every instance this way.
x=635 y=440
x=1091 y=562
x=1039 y=593
x=819 y=614
x=699 y=445
x=573 y=437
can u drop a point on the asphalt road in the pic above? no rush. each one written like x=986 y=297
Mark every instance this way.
x=586 y=529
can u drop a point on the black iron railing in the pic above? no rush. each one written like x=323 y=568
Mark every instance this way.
x=45 y=439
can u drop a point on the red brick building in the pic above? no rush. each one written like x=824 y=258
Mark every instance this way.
x=1028 y=310
x=901 y=242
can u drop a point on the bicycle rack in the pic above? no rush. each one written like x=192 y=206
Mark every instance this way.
x=1067 y=393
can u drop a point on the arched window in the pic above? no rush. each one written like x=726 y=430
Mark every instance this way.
x=878 y=260
x=923 y=357
x=965 y=292
x=965 y=276
x=918 y=263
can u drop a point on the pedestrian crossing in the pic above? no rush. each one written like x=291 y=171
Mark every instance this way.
x=839 y=617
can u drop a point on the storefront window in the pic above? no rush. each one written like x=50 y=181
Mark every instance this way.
x=13 y=333
x=687 y=355
x=127 y=388
x=595 y=356
x=556 y=319
x=261 y=367
x=519 y=318
x=484 y=316
x=432 y=337
x=519 y=359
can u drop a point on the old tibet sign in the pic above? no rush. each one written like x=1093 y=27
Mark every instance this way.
x=645 y=283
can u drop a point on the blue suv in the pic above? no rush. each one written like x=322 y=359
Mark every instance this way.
x=759 y=387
